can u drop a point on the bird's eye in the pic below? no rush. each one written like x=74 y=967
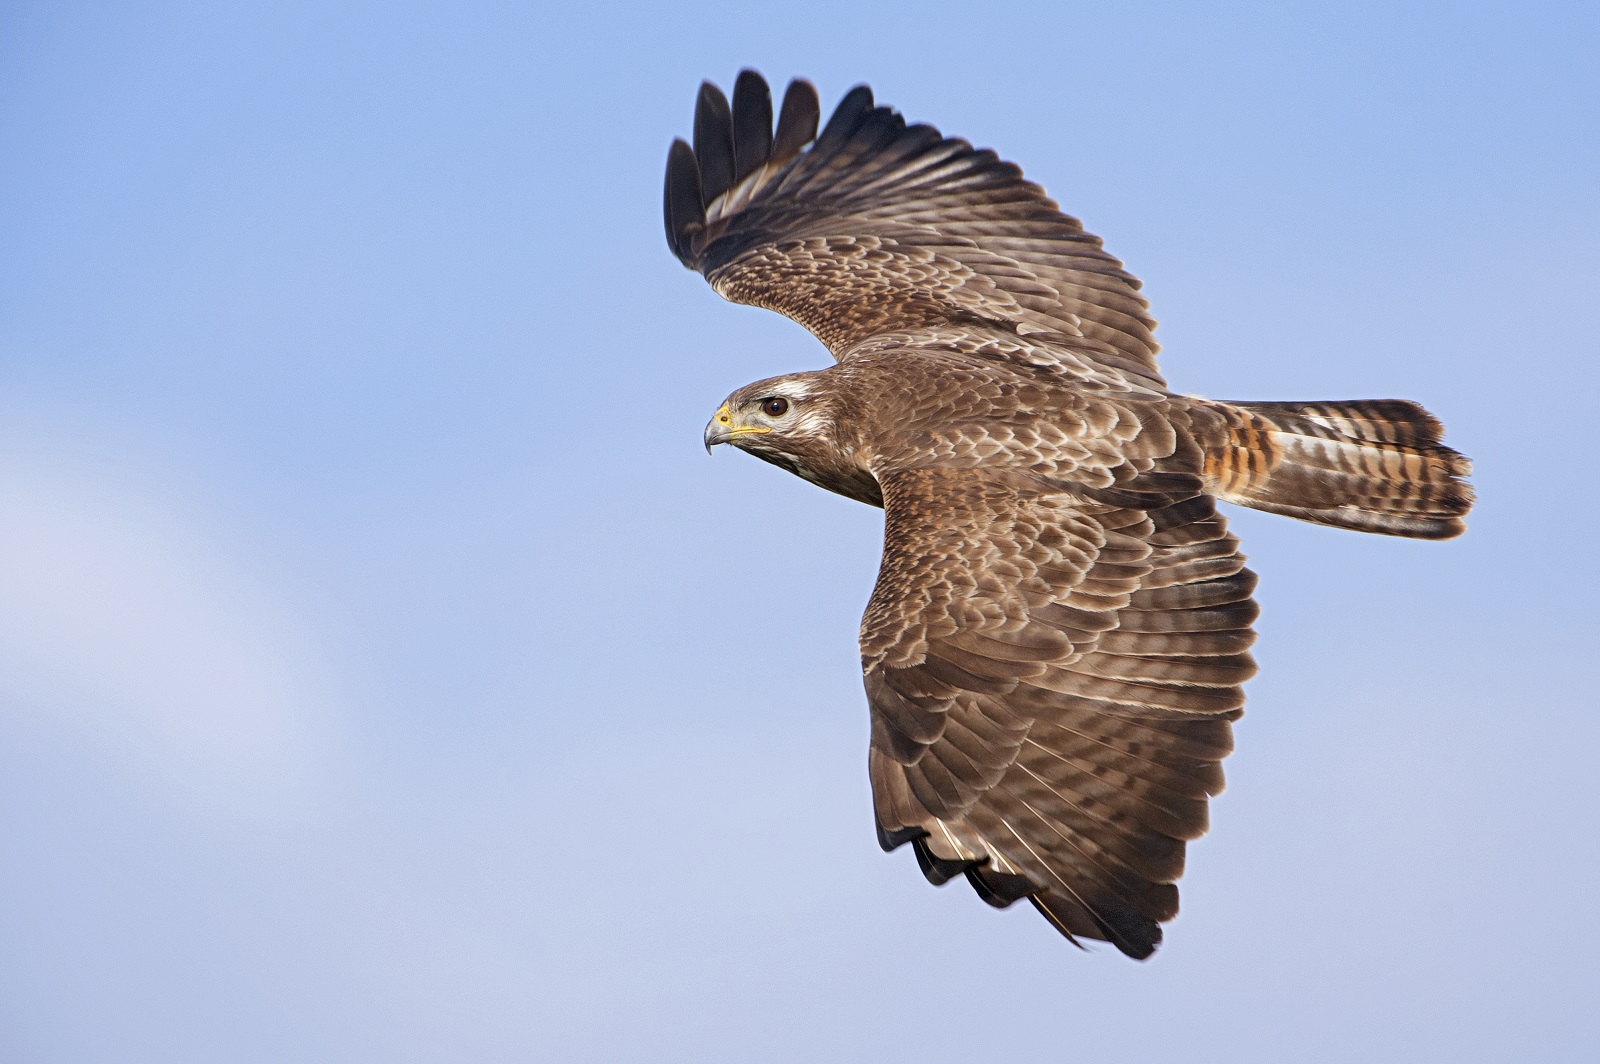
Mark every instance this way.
x=777 y=406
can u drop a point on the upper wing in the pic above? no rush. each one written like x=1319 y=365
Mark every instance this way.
x=882 y=227
x=1052 y=682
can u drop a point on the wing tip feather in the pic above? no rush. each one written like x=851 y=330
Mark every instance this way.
x=682 y=206
x=752 y=124
x=797 y=120
x=713 y=142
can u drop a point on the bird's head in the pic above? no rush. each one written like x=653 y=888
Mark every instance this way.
x=778 y=418
x=799 y=423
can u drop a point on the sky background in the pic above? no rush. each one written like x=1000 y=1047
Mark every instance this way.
x=387 y=675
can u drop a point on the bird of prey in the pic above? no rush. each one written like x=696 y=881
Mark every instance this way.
x=1054 y=649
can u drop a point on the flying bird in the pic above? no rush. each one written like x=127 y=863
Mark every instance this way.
x=1055 y=647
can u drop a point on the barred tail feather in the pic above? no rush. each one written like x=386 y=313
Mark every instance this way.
x=1372 y=465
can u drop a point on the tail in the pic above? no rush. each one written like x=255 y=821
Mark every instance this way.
x=1372 y=465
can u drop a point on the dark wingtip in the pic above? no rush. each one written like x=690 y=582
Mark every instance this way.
x=1141 y=948
x=1134 y=935
x=713 y=142
x=856 y=102
x=797 y=120
x=1000 y=889
x=682 y=203
x=893 y=840
x=752 y=124
x=939 y=870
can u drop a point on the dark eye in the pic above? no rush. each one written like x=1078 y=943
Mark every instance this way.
x=777 y=406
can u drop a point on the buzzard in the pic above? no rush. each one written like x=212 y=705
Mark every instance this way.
x=1054 y=650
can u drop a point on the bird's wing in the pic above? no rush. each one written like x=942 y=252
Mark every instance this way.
x=1053 y=673
x=879 y=227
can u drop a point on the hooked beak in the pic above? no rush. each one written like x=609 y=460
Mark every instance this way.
x=719 y=428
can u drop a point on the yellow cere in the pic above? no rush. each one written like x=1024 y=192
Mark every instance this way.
x=724 y=416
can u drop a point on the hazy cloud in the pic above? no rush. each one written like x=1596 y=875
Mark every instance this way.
x=124 y=616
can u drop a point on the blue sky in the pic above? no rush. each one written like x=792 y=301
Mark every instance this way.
x=387 y=675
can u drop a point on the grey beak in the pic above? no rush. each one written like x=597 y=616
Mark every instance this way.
x=719 y=428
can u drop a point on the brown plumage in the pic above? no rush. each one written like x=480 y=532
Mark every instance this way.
x=1056 y=644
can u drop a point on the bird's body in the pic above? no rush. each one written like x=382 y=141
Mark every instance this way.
x=1054 y=649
